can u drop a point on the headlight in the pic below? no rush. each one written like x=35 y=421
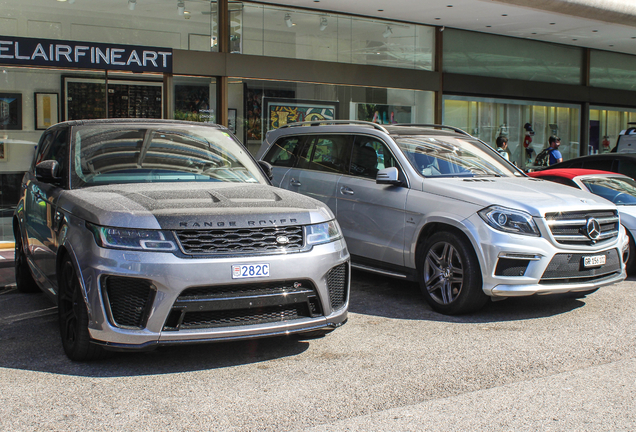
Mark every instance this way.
x=322 y=233
x=509 y=220
x=127 y=238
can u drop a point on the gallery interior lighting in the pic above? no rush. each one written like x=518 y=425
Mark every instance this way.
x=323 y=23
x=288 y=20
x=180 y=8
x=132 y=4
x=388 y=32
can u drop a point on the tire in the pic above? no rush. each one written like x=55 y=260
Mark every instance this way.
x=23 y=277
x=73 y=317
x=449 y=274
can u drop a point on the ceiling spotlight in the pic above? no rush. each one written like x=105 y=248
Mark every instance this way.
x=180 y=8
x=288 y=20
x=323 y=23
x=388 y=32
x=132 y=4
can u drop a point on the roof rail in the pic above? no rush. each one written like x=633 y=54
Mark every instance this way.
x=458 y=130
x=334 y=122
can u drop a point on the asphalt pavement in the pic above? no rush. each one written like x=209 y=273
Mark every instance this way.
x=549 y=363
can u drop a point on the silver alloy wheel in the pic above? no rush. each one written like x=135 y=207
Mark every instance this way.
x=443 y=273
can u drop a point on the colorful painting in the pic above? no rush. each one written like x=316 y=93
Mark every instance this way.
x=11 y=111
x=253 y=111
x=383 y=114
x=283 y=111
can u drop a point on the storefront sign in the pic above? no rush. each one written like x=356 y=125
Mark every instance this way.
x=86 y=55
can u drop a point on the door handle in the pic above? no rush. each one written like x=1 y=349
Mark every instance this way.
x=346 y=190
x=294 y=182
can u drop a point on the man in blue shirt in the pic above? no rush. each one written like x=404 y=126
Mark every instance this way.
x=555 y=155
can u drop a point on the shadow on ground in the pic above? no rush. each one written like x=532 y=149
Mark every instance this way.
x=376 y=295
x=29 y=340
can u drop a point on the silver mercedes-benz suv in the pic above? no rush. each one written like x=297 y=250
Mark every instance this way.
x=436 y=205
x=149 y=232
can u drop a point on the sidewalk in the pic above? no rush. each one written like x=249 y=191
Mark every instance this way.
x=7 y=275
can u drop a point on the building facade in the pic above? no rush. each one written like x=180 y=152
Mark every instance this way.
x=255 y=67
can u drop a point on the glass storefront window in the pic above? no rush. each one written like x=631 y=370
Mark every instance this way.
x=526 y=124
x=612 y=70
x=605 y=126
x=283 y=32
x=473 y=53
x=194 y=99
x=159 y=23
x=265 y=105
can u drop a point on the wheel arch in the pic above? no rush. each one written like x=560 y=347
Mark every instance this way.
x=438 y=226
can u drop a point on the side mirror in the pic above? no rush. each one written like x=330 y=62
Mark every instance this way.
x=266 y=167
x=48 y=171
x=388 y=176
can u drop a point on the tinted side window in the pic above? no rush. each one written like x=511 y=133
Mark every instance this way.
x=577 y=164
x=284 y=152
x=369 y=156
x=628 y=168
x=603 y=165
x=327 y=153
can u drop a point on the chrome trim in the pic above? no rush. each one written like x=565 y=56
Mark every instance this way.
x=606 y=220
x=520 y=256
x=375 y=270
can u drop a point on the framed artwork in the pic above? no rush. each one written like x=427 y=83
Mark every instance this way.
x=10 y=111
x=279 y=112
x=254 y=127
x=382 y=114
x=231 y=120
x=3 y=151
x=46 y=110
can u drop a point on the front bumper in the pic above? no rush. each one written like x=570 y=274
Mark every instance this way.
x=168 y=276
x=543 y=263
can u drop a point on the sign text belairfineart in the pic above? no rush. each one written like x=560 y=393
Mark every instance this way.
x=86 y=55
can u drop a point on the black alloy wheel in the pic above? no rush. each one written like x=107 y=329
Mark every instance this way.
x=450 y=277
x=73 y=317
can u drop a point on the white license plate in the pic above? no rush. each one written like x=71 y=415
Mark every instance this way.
x=593 y=261
x=251 y=271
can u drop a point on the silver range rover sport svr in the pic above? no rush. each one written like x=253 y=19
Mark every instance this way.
x=436 y=205
x=150 y=232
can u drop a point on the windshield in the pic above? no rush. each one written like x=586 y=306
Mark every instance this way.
x=149 y=153
x=453 y=157
x=620 y=191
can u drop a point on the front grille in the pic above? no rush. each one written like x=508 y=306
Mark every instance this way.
x=241 y=240
x=571 y=227
x=244 y=304
x=244 y=316
x=337 y=279
x=568 y=268
x=128 y=300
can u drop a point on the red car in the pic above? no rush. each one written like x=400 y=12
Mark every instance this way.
x=617 y=188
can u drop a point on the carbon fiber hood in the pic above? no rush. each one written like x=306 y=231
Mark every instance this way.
x=192 y=205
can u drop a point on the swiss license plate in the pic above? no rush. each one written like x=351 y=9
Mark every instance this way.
x=240 y=271
x=593 y=261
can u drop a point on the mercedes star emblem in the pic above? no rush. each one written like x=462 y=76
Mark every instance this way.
x=593 y=229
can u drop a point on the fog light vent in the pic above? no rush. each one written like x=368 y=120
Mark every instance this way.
x=511 y=267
